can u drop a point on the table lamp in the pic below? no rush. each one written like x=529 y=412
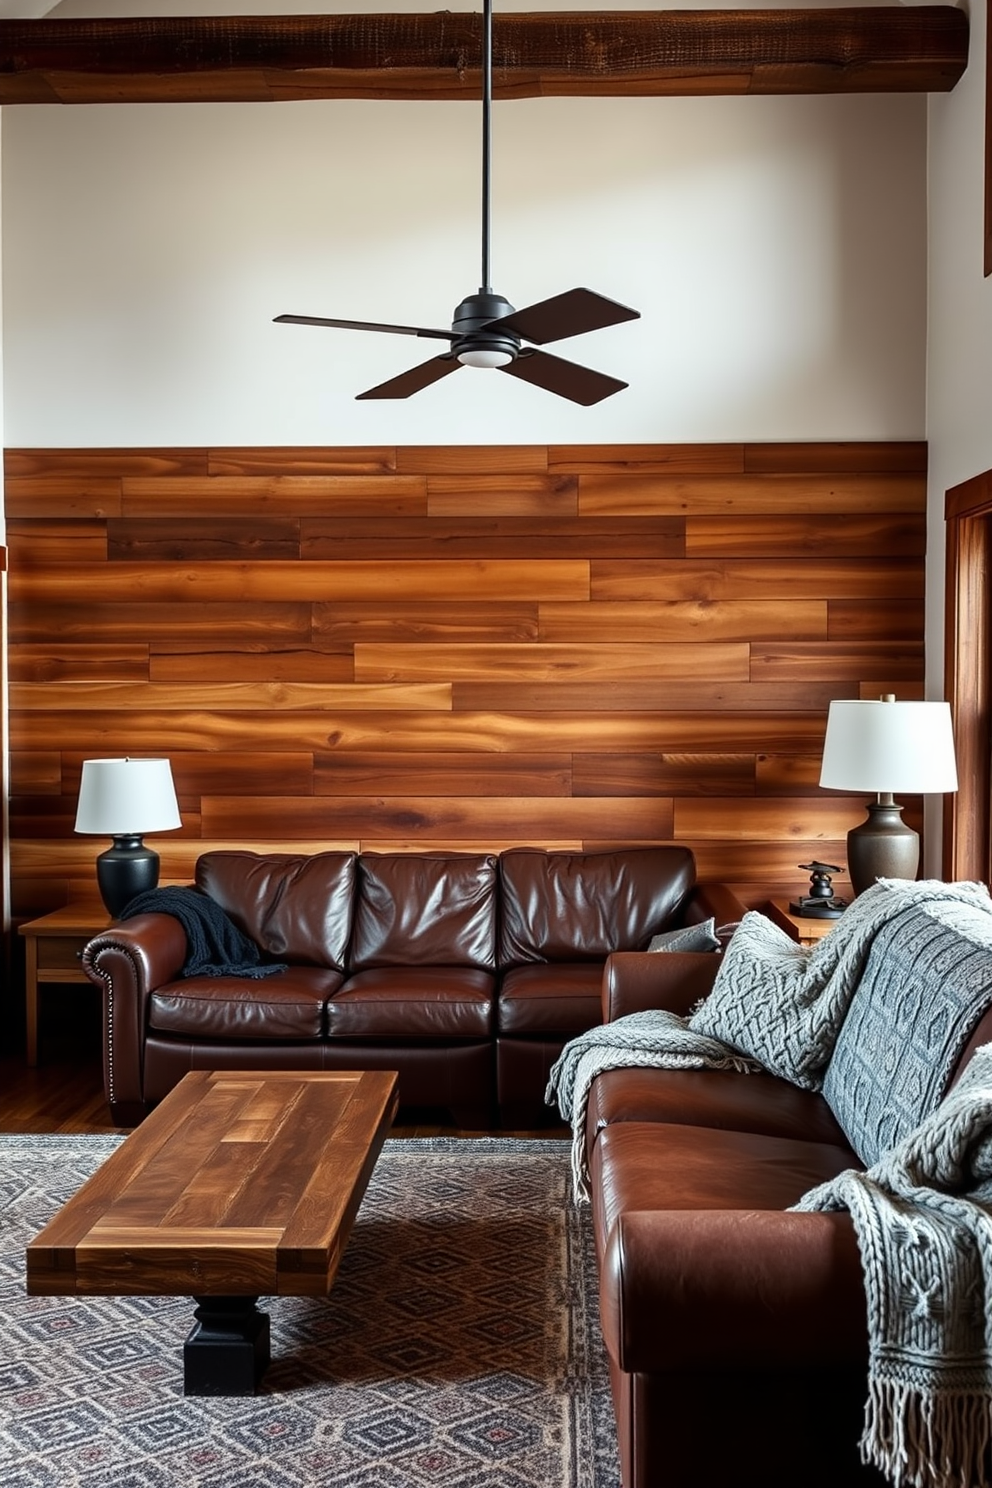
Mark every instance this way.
x=123 y=798
x=887 y=746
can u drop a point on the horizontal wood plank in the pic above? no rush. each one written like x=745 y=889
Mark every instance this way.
x=798 y=459
x=302 y=460
x=641 y=622
x=532 y=817
x=229 y=697
x=502 y=495
x=116 y=463
x=210 y=623
x=836 y=662
x=391 y=621
x=709 y=661
x=670 y=459
x=663 y=774
x=825 y=534
x=202 y=539
x=274 y=582
x=372 y=773
x=769 y=578
x=772 y=495
x=263 y=664
x=345 y=495
x=399 y=540
x=38 y=496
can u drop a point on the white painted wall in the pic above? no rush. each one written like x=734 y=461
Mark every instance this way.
x=959 y=379
x=775 y=246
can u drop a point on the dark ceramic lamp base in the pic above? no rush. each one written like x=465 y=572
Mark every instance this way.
x=882 y=846
x=124 y=870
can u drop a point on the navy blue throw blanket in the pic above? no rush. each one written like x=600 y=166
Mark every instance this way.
x=214 y=944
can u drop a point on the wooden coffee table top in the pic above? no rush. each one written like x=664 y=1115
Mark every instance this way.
x=237 y=1184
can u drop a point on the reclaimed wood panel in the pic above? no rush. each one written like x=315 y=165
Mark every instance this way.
x=190 y=621
x=774 y=495
x=271 y=582
x=302 y=460
x=451 y=817
x=348 y=495
x=502 y=495
x=710 y=661
x=202 y=539
x=462 y=622
x=400 y=540
x=470 y=647
x=663 y=774
x=825 y=534
x=339 y=773
x=669 y=459
x=674 y=620
x=798 y=459
x=771 y=578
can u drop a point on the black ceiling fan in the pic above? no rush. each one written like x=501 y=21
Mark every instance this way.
x=486 y=331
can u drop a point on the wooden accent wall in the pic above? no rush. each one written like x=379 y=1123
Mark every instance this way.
x=458 y=647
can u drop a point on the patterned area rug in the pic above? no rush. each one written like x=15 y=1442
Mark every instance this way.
x=460 y=1347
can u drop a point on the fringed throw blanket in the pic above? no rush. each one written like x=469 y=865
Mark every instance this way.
x=656 y=1038
x=923 y=1219
x=214 y=944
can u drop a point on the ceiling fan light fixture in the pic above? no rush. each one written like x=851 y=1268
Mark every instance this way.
x=482 y=356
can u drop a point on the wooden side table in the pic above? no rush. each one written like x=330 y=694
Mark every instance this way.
x=806 y=931
x=53 y=945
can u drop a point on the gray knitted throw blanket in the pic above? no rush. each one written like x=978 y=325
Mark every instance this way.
x=775 y=1006
x=923 y=1220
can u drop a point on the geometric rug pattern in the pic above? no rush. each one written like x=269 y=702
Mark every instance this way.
x=459 y=1347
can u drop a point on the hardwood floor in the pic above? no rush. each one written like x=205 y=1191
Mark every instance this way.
x=64 y=1091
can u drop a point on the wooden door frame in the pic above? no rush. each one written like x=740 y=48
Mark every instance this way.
x=967 y=846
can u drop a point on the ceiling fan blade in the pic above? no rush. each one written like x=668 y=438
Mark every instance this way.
x=568 y=314
x=363 y=325
x=414 y=380
x=567 y=379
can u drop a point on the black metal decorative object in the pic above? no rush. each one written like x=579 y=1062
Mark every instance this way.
x=821 y=903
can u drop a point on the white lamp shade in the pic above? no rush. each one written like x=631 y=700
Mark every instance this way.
x=873 y=745
x=125 y=797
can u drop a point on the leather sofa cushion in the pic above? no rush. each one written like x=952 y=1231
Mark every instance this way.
x=414 y=1002
x=289 y=1005
x=557 y=999
x=582 y=906
x=660 y=1165
x=296 y=908
x=759 y=1103
x=417 y=910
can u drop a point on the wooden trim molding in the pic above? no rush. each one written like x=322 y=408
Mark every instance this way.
x=968 y=635
x=629 y=53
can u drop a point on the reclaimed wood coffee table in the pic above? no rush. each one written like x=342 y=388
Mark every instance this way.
x=239 y=1185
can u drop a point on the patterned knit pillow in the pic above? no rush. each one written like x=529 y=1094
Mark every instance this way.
x=926 y=983
x=701 y=937
x=753 y=1005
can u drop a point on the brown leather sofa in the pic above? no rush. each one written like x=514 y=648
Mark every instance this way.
x=736 y=1332
x=466 y=972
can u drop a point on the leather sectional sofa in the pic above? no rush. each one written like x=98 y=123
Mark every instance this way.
x=736 y=1331
x=466 y=972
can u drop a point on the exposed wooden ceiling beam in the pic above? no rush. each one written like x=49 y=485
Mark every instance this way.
x=887 y=49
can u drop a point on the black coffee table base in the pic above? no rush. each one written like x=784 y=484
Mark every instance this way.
x=227 y=1352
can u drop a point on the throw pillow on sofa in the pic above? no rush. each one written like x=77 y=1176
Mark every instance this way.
x=701 y=937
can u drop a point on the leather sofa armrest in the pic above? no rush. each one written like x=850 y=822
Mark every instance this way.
x=129 y=961
x=684 y=1289
x=634 y=981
